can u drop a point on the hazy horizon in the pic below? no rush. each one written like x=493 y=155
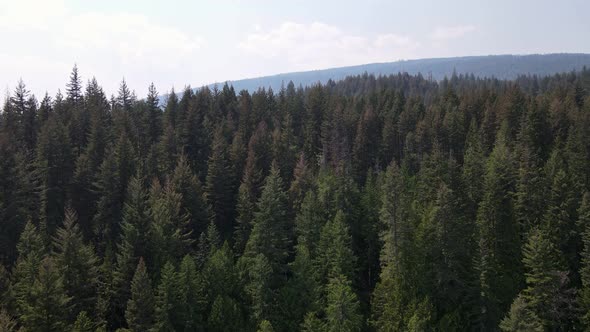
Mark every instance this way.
x=196 y=43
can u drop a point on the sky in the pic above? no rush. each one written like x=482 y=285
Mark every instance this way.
x=189 y=42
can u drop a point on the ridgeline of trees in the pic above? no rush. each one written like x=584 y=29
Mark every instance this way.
x=373 y=203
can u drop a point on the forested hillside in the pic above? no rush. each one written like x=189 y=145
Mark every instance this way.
x=394 y=203
x=507 y=67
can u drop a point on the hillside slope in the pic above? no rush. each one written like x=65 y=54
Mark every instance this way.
x=499 y=66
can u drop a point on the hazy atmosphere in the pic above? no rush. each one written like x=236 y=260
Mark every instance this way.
x=200 y=42
x=296 y=166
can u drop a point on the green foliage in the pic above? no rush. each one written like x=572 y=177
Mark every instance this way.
x=140 y=313
x=271 y=233
x=480 y=221
x=46 y=306
x=265 y=326
x=77 y=264
x=521 y=318
x=343 y=307
x=83 y=323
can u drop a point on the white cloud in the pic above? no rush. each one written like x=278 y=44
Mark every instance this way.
x=319 y=45
x=444 y=33
x=47 y=37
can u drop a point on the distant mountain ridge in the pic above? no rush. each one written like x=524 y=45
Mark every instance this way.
x=498 y=66
x=503 y=67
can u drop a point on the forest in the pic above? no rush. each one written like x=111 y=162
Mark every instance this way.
x=388 y=203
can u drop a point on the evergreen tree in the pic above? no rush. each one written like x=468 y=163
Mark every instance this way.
x=193 y=200
x=343 y=308
x=170 y=234
x=498 y=238
x=547 y=292
x=77 y=264
x=83 y=323
x=47 y=304
x=167 y=301
x=521 y=318
x=584 y=224
x=141 y=306
x=54 y=166
x=220 y=184
x=271 y=230
x=190 y=287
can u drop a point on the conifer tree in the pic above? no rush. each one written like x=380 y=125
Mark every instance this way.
x=190 y=286
x=547 y=291
x=31 y=250
x=46 y=306
x=193 y=200
x=141 y=305
x=77 y=264
x=83 y=323
x=584 y=225
x=167 y=301
x=55 y=166
x=271 y=231
x=265 y=326
x=170 y=233
x=335 y=255
x=499 y=260
x=220 y=184
x=343 y=308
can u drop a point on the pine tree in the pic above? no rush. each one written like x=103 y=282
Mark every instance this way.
x=12 y=194
x=521 y=318
x=335 y=255
x=111 y=185
x=365 y=145
x=167 y=301
x=343 y=307
x=547 y=292
x=55 y=166
x=220 y=184
x=31 y=250
x=83 y=323
x=193 y=200
x=47 y=305
x=141 y=306
x=584 y=225
x=271 y=231
x=309 y=222
x=258 y=287
x=77 y=264
x=190 y=286
x=499 y=260
x=153 y=116
x=265 y=326
x=170 y=233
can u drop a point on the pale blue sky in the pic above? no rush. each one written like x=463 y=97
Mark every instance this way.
x=174 y=43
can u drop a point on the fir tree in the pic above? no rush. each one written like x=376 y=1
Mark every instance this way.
x=343 y=307
x=77 y=264
x=141 y=306
x=47 y=304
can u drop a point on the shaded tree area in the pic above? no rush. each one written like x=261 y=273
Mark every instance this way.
x=390 y=203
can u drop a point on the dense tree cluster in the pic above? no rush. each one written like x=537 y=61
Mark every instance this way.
x=389 y=203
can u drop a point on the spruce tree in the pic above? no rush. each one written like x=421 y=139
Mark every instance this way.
x=47 y=304
x=83 y=323
x=271 y=230
x=141 y=306
x=499 y=258
x=220 y=184
x=343 y=307
x=77 y=264
x=167 y=301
